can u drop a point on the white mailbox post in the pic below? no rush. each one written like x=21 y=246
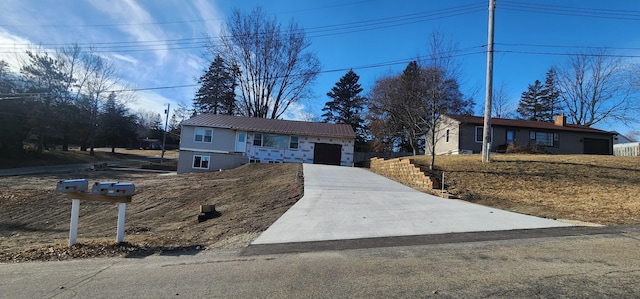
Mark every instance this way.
x=115 y=192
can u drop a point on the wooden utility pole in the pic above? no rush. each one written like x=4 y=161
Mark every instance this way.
x=164 y=135
x=486 y=139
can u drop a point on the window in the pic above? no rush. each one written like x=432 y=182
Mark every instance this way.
x=203 y=135
x=201 y=162
x=275 y=141
x=446 y=136
x=480 y=132
x=293 y=142
x=257 y=139
x=544 y=138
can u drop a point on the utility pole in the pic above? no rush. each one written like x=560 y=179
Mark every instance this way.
x=486 y=139
x=164 y=135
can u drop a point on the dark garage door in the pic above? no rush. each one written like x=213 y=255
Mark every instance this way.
x=594 y=146
x=329 y=154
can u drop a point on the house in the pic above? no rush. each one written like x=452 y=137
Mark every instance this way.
x=213 y=141
x=463 y=134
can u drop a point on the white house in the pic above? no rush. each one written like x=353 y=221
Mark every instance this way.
x=213 y=141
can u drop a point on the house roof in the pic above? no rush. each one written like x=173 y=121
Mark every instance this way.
x=477 y=120
x=265 y=125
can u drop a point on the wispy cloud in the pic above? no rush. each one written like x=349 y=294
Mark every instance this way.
x=209 y=13
x=125 y=58
x=136 y=21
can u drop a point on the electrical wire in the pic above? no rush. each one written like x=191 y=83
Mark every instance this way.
x=312 y=32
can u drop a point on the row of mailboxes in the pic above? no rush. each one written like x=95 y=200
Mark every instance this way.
x=98 y=188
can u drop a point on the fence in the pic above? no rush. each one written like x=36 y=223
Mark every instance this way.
x=626 y=149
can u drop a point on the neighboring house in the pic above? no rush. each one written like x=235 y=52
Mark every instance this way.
x=621 y=139
x=463 y=134
x=212 y=142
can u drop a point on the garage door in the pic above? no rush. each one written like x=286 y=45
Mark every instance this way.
x=595 y=146
x=329 y=154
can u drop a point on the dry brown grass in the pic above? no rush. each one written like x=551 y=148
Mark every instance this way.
x=599 y=189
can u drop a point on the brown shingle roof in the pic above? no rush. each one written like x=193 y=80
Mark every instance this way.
x=477 y=120
x=265 y=125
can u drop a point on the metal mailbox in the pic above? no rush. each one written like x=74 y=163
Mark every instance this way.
x=102 y=188
x=122 y=189
x=71 y=186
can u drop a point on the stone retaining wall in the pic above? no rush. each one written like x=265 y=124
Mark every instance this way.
x=404 y=171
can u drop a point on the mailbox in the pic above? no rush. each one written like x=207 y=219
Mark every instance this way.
x=102 y=188
x=70 y=186
x=122 y=189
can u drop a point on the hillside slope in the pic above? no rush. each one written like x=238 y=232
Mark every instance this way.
x=599 y=189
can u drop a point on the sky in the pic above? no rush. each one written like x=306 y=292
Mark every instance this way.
x=158 y=45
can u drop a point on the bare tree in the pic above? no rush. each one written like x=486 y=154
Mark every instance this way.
x=276 y=66
x=501 y=106
x=443 y=92
x=595 y=87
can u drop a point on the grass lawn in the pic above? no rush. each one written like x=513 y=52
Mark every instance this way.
x=599 y=189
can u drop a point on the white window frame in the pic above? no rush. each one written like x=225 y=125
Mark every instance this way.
x=203 y=133
x=255 y=138
x=296 y=143
x=202 y=158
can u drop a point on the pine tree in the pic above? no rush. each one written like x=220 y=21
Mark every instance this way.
x=532 y=106
x=346 y=105
x=550 y=97
x=117 y=126
x=217 y=93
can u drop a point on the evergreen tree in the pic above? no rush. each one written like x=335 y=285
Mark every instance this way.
x=217 y=93
x=532 y=106
x=117 y=126
x=346 y=104
x=550 y=96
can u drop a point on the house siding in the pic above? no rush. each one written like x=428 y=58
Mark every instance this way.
x=223 y=156
x=569 y=141
x=304 y=152
x=217 y=161
x=442 y=146
x=223 y=139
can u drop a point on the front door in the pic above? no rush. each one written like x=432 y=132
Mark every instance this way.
x=241 y=141
x=511 y=136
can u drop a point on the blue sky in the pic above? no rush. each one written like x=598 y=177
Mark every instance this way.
x=158 y=43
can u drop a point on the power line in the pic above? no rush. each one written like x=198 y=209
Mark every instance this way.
x=570 y=10
x=313 y=32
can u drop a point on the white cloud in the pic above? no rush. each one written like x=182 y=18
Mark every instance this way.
x=125 y=58
x=13 y=49
x=297 y=111
x=136 y=21
x=209 y=13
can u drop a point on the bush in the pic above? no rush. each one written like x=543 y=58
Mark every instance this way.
x=515 y=148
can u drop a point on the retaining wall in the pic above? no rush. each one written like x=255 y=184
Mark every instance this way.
x=404 y=171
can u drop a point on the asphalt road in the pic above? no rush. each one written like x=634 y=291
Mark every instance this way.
x=597 y=265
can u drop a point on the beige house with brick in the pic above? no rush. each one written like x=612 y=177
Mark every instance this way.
x=463 y=134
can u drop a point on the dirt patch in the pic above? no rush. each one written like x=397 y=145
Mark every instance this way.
x=34 y=220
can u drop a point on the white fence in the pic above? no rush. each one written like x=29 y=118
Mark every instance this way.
x=626 y=149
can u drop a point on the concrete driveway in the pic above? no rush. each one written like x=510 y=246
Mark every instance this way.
x=342 y=203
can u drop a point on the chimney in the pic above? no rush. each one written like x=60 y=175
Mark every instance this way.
x=561 y=120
